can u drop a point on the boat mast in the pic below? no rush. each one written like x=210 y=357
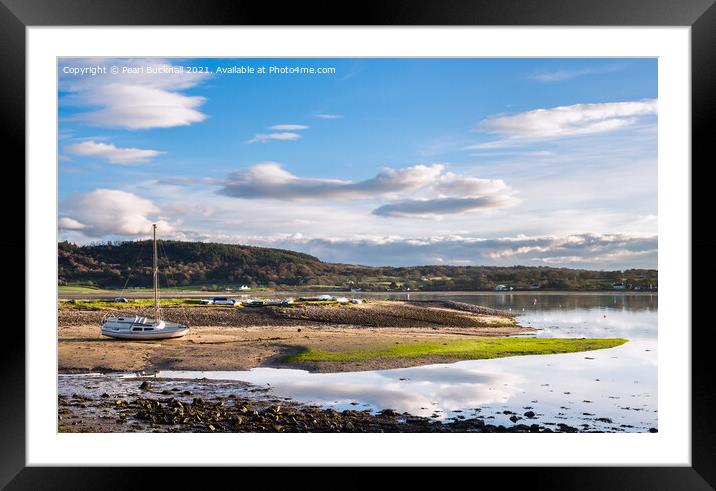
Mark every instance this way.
x=155 y=271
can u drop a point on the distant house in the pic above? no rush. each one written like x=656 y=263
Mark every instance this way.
x=618 y=286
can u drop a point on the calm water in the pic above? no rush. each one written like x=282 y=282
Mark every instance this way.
x=605 y=390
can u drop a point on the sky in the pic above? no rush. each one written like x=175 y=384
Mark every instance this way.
x=383 y=162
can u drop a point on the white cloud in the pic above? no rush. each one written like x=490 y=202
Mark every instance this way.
x=144 y=94
x=69 y=224
x=578 y=119
x=289 y=127
x=595 y=248
x=433 y=208
x=270 y=180
x=104 y=212
x=111 y=153
x=329 y=116
x=443 y=192
x=458 y=185
x=346 y=231
x=588 y=250
x=266 y=137
x=282 y=132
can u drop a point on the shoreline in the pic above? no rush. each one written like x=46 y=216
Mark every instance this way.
x=240 y=338
x=83 y=349
x=374 y=335
x=99 y=393
x=168 y=293
x=168 y=406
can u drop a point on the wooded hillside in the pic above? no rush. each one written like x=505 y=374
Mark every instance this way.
x=210 y=264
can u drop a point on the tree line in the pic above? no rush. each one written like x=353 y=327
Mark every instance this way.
x=186 y=264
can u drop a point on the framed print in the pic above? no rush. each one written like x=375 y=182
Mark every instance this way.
x=427 y=235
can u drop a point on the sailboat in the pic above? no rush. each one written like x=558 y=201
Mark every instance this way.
x=143 y=328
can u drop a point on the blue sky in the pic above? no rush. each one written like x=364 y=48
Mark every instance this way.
x=379 y=161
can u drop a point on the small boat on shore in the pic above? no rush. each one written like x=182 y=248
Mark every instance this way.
x=141 y=328
x=144 y=328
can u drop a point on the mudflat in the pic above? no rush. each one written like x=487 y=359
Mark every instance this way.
x=239 y=338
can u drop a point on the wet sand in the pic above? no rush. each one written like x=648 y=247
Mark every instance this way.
x=82 y=348
x=244 y=338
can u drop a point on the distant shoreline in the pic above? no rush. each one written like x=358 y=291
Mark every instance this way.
x=147 y=293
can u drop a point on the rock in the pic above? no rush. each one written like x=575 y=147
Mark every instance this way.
x=566 y=428
x=145 y=385
x=653 y=430
x=530 y=414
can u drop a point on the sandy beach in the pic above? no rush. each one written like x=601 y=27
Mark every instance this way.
x=225 y=338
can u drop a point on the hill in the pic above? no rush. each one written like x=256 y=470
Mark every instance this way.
x=198 y=264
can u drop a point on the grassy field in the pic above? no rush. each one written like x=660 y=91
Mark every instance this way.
x=80 y=289
x=473 y=349
x=137 y=303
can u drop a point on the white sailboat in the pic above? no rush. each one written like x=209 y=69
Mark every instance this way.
x=144 y=328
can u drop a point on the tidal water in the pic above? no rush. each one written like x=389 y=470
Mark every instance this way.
x=605 y=390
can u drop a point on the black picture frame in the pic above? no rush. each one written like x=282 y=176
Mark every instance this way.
x=700 y=15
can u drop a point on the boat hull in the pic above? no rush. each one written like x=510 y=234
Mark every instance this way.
x=146 y=336
x=141 y=328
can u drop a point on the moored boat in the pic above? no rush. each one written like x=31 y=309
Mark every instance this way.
x=144 y=328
